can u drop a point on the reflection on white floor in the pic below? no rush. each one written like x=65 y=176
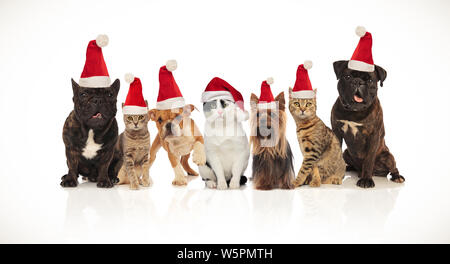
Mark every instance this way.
x=163 y=213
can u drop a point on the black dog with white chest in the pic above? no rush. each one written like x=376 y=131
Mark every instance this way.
x=357 y=118
x=90 y=134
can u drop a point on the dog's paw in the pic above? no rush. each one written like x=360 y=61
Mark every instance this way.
x=398 y=178
x=222 y=185
x=235 y=184
x=67 y=181
x=180 y=182
x=366 y=183
x=211 y=184
x=198 y=155
x=105 y=183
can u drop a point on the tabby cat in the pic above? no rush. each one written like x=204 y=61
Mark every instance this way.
x=322 y=154
x=134 y=147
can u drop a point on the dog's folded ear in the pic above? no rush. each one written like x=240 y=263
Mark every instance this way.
x=253 y=101
x=281 y=101
x=187 y=109
x=339 y=67
x=152 y=114
x=381 y=74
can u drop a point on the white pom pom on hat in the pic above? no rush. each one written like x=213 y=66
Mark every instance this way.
x=129 y=77
x=171 y=65
x=307 y=64
x=360 y=31
x=102 y=40
x=269 y=80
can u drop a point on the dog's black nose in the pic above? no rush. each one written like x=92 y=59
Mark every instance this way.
x=97 y=100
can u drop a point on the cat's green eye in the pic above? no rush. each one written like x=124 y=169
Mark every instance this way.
x=308 y=104
x=141 y=117
x=297 y=104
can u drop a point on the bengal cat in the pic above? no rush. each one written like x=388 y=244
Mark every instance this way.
x=322 y=154
x=134 y=145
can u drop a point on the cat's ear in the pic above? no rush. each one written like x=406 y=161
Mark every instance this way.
x=281 y=101
x=115 y=87
x=290 y=92
x=339 y=67
x=381 y=74
x=152 y=114
x=253 y=101
x=75 y=87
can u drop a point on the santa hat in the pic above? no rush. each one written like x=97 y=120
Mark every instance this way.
x=266 y=100
x=95 y=74
x=135 y=103
x=169 y=96
x=362 y=57
x=302 y=88
x=220 y=89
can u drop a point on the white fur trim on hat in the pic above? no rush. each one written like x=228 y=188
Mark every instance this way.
x=271 y=105
x=305 y=94
x=269 y=81
x=95 y=82
x=360 y=31
x=360 y=66
x=214 y=95
x=102 y=40
x=129 y=78
x=171 y=103
x=171 y=65
x=307 y=64
x=134 y=110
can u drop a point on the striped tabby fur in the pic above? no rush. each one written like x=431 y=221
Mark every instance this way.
x=322 y=154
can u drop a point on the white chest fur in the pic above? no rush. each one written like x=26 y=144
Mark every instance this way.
x=91 y=148
x=350 y=124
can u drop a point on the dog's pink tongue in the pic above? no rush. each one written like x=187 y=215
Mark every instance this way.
x=98 y=115
x=357 y=99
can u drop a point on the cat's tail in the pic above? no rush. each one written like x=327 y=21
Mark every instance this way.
x=243 y=180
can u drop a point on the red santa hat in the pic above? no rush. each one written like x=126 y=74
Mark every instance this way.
x=266 y=100
x=362 y=57
x=220 y=89
x=135 y=103
x=95 y=74
x=169 y=96
x=302 y=88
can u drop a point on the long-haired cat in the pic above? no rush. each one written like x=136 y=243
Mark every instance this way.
x=134 y=146
x=226 y=145
x=272 y=156
x=322 y=154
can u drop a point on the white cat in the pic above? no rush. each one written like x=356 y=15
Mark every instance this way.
x=226 y=145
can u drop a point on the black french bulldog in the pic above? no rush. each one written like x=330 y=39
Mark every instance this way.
x=90 y=134
x=357 y=118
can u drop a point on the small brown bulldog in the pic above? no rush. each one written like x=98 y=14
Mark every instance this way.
x=357 y=118
x=178 y=135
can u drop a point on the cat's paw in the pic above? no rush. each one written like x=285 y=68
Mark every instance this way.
x=105 y=183
x=315 y=183
x=146 y=182
x=67 y=181
x=211 y=184
x=235 y=184
x=398 y=178
x=180 y=181
x=222 y=185
x=134 y=186
x=366 y=183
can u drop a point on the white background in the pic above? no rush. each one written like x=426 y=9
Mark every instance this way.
x=43 y=45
